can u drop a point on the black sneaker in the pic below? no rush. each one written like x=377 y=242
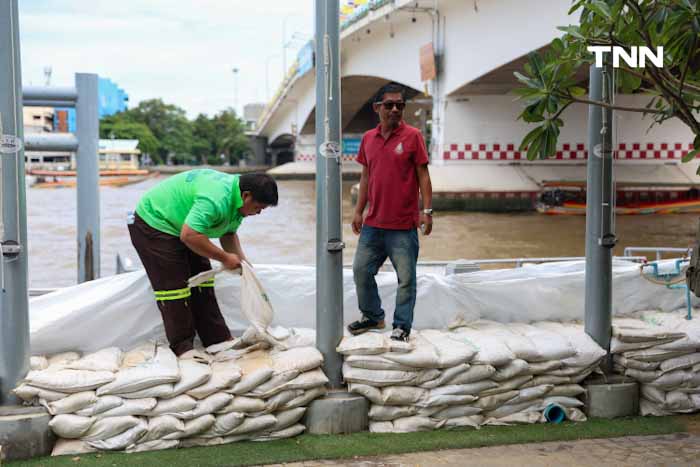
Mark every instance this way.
x=364 y=324
x=400 y=335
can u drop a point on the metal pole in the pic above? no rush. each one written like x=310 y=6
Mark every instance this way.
x=87 y=131
x=14 y=306
x=599 y=212
x=329 y=244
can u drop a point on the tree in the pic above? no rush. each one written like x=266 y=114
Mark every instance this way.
x=231 y=138
x=552 y=80
x=119 y=126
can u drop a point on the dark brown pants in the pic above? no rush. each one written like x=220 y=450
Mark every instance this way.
x=169 y=263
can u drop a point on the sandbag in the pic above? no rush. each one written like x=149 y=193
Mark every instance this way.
x=155 y=445
x=122 y=440
x=71 y=447
x=106 y=428
x=223 y=375
x=161 y=426
x=175 y=407
x=130 y=407
x=102 y=405
x=193 y=427
x=244 y=405
x=108 y=359
x=71 y=404
x=70 y=426
x=192 y=374
x=162 y=369
x=68 y=381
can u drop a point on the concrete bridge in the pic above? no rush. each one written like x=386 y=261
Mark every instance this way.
x=467 y=112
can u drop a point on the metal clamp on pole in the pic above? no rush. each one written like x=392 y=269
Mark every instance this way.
x=335 y=245
x=10 y=248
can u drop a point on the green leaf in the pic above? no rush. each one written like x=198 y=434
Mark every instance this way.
x=572 y=30
x=600 y=8
x=530 y=137
x=691 y=155
x=536 y=145
x=577 y=91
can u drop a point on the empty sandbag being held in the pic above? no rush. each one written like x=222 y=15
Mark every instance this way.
x=170 y=231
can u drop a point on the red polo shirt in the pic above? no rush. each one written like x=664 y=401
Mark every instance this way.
x=393 y=182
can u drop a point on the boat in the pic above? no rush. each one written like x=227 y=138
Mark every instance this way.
x=68 y=178
x=570 y=200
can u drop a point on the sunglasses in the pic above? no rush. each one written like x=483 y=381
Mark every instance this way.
x=390 y=105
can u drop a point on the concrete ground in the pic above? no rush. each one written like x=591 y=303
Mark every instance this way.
x=681 y=449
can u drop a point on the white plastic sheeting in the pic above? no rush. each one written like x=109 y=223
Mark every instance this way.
x=121 y=311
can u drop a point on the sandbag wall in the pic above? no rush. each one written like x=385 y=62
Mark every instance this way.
x=148 y=399
x=477 y=373
x=661 y=351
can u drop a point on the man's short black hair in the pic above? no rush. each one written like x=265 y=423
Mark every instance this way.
x=391 y=88
x=261 y=186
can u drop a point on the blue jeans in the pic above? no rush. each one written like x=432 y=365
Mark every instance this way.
x=374 y=246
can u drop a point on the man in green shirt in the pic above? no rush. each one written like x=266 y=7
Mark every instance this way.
x=171 y=230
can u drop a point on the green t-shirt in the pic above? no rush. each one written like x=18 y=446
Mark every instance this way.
x=205 y=199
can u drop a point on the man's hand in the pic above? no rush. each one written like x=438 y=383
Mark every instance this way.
x=231 y=261
x=357 y=223
x=427 y=221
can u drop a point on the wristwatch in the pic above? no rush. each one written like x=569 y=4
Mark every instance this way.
x=428 y=211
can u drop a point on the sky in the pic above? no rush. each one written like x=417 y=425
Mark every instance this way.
x=182 y=51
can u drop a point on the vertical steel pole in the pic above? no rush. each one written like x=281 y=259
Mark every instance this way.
x=14 y=315
x=329 y=244
x=87 y=131
x=599 y=212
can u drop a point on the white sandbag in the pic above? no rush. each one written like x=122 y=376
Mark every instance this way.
x=491 y=402
x=130 y=407
x=208 y=405
x=155 y=445
x=642 y=376
x=574 y=414
x=59 y=360
x=416 y=423
x=250 y=381
x=369 y=343
x=538 y=368
x=193 y=427
x=255 y=304
x=441 y=400
x=551 y=345
x=402 y=395
x=562 y=401
x=510 y=409
x=521 y=346
x=680 y=363
x=252 y=425
x=162 y=369
x=278 y=400
x=138 y=355
x=304 y=399
x=289 y=432
x=273 y=385
x=649 y=408
x=570 y=390
x=71 y=404
x=378 y=378
x=652 y=393
x=677 y=401
x=425 y=376
x=374 y=395
x=287 y=418
x=456 y=411
x=434 y=349
x=244 y=405
x=473 y=421
x=655 y=355
x=671 y=380
x=381 y=427
x=445 y=376
x=122 y=440
x=545 y=379
x=636 y=364
x=68 y=381
x=572 y=370
x=508 y=385
x=634 y=330
x=161 y=426
x=618 y=347
x=528 y=394
x=375 y=362
x=38 y=362
x=108 y=359
x=162 y=391
x=106 y=428
x=223 y=375
x=70 y=426
x=388 y=413
x=192 y=374
x=475 y=388
x=200 y=442
x=455 y=389
x=298 y=359
x=474 y=374
x=174 y=406
x=588 y=352
x=491 y=349
x=307 y=380
x=512 y=369
x=102 y=405
x=71 y=447
x=220 y=347
x=518 y=418
x=223 y=425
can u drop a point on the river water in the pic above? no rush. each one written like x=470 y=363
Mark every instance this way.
x=286 y=234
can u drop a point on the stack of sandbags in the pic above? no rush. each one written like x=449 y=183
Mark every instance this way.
x=148 y=399
x=477 y=373
x=661 y=352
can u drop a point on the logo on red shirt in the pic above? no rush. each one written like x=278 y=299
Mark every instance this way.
x=399 y=149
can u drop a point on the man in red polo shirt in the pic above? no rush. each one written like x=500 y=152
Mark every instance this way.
x=394 y=167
